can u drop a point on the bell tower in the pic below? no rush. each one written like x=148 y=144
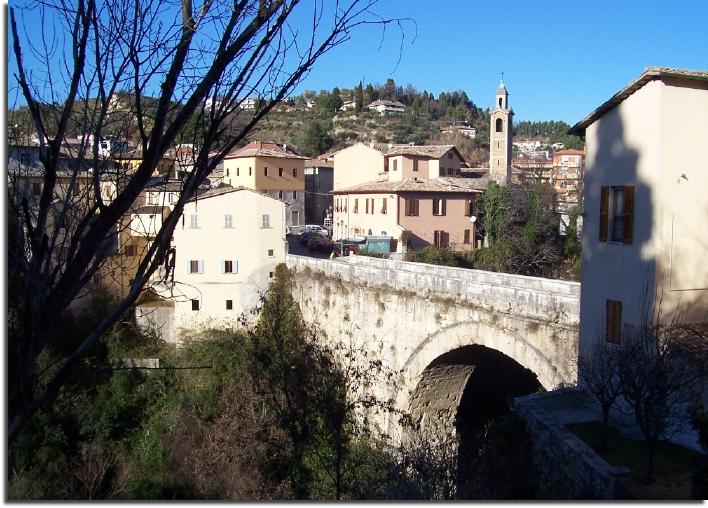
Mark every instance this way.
x=500 y=137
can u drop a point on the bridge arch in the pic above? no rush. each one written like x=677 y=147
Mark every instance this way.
x=468 y=333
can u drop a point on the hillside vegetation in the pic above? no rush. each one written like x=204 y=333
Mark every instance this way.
x=322 y=127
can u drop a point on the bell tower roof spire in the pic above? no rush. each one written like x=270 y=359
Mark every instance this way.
x=502 y=87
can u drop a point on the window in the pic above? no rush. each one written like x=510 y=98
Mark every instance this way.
x=195 y=304
x=499 y=124
x=280 y=171
x=238 y=171
x=249 y=170
x=152 y=198
x=395 y=165
x=229 y=304
x=265 y=171
x=440 y=238
x=270 y=253
x=228 y=221
x=500 y=102
x=412 y=207
x=173 y=197
x=367 y=205
x=415 y=164
x=467 y=236
x=265 y=221
x=25 y=158
x=384 y=233
x=295 y=172
x=613 y=322
x=449 y=155
x=195 y=266
x=270 y=275
x=229 y=266
x=384 y=204
x=36 y=188
x=294 y=194
x=356 y=206
x=617 y=214
x=469 y=208
x=295 y=217
x=439 y=206
x=227 y=171
x=194 y=221
x=130 y=250
x=280 y=194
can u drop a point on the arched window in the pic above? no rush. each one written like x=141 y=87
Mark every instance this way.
x=370 y=233
x=499 y=125
x=500 y=102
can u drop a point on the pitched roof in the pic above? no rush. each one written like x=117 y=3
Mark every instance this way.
x=227 y=189
x=264 y=149
x=432 y=151
x=570 y=151
x=649 y=74
x=443 y=184
x=394 y=104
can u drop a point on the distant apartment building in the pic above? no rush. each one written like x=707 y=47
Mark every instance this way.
x=272 y=169
x=227 y=245
x=319 y=182
x=567 y=178
x=644 y=232
x=387 y=107
x=412 y=193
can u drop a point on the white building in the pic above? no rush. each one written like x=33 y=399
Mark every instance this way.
x=645 y=238
x=226 y=249
x=387 y=107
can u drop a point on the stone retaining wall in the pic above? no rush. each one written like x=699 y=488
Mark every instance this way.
x=566 y=467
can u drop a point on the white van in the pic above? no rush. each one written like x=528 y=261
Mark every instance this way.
x=315 y=227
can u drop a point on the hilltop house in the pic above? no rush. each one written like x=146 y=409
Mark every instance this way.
x=387 y=107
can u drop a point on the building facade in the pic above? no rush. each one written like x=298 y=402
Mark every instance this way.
x=644 y=233
x=226 y=246
x=417 y=197
x=319 y=182
x=272 y=169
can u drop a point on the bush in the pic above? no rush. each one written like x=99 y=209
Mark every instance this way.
x=437 y=256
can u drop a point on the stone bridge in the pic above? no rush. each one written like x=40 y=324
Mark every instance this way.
x=415 y=318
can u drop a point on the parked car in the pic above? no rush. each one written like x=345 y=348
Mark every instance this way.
x=320 y=243
x=345 y=247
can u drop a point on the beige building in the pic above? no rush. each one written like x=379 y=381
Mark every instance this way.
x=567 y=177
x=273 y=170
x=644 y=234
x=500 y=137
x=227 y=245
x=416 y=195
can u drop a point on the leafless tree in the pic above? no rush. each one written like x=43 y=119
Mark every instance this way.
x=661 y=368
x=600 y=377
x=146 y=71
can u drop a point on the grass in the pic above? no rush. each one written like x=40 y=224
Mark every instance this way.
x=673 y=464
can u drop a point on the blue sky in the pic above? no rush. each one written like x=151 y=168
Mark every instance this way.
x=561 y=59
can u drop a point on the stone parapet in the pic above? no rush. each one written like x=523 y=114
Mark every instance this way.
x=552 y=300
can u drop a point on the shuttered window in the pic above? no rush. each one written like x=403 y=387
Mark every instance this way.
x=229 y=266
x=439 y=206
x=195 y=266
x=628 y=215
x=617 y=214
x=604 y=207
x=411 y=207
x=613 y=322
